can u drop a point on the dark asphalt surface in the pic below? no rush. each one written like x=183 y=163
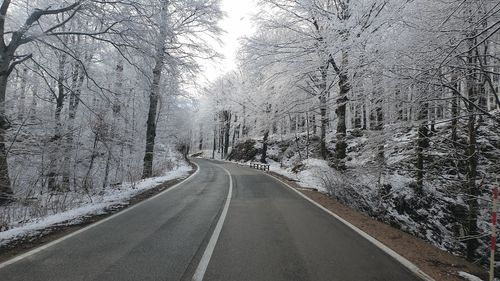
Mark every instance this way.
x=270 y=233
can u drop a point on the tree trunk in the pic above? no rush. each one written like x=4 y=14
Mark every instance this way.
x=308 y=135
x=155 y=93
x=200 y=145
x=364 y=117
x=87 y=183
x=227 y=128
x=215 y=142
x=422 y=145
x=78 y=77
x=221 y=137
x=312 y=123
x=235 y=130
x=21 y=109
x=264 y=147
x=472 y=189
x=345 y=87
x=323 y=112
x=56 y=139
x=455 y=107
x=324 y=120
x=244 y=126
x=151 y=122
x=106 y=170
x=5 y=187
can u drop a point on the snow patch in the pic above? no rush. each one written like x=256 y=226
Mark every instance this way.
x=94 y=205
x=468 y=276
x=308 y=177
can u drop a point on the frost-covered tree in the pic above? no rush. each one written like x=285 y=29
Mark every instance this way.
x=85 y=81
x=325 y=76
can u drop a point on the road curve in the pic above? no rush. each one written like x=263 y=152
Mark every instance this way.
x=157 y=240
x=270 y=233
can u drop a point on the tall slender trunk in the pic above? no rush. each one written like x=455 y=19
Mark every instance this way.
x=78 y=77
x=221 y=142
x=345 y=87
x=267 y=112
x=364 y=117
x=235 y=130
x=422 y=145
x=34 y=94
x=297 y=144
x=87 y=182
x=264 y=146
x=214 y=147
x=56 y=139
x=455 y=107
x=227 y=128
x=308 y=134
x=324 y=120
x=116 y=126
x=155 y=92
x=21 y=107
x=106 y=169
x=244 y=126
x=200 y=146
x=5 y=185
x=151 y=122
x=472 y=161
x=378 y=101
x=323 y=112
x=313 y=122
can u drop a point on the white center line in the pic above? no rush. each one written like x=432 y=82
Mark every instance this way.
x=205 y=259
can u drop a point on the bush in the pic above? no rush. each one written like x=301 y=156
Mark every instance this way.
x=244 y=151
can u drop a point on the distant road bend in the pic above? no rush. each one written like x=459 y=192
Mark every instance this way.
x=246 y=226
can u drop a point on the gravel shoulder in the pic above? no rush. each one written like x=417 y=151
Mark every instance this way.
x=439 y=264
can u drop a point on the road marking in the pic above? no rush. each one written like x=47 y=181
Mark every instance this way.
x=205 y=259
x=41 y=248
x=406 y=263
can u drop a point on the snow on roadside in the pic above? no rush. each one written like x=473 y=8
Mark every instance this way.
x=99 y=203
x=469 y=277
x=308 y=177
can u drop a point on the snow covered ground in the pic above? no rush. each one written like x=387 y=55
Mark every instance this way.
x=469 y=277
x=309 y=177
x=80 y=207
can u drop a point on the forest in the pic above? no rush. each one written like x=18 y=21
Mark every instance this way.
x=390 y=107
x=92 y=97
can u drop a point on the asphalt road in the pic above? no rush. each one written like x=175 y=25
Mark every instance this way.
x=269 y=233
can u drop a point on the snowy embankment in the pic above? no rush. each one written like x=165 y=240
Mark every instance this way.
x=90 y=205
x=309 y=177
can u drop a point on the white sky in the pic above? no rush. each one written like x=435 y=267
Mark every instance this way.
x=237 y=24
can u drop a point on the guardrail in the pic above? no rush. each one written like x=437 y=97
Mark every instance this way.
x=259 y=166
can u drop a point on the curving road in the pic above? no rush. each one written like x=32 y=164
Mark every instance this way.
x=262 y=231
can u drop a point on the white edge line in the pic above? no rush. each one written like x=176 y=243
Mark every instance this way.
x=43 y=247
x=205 y=259
x=408 y=264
